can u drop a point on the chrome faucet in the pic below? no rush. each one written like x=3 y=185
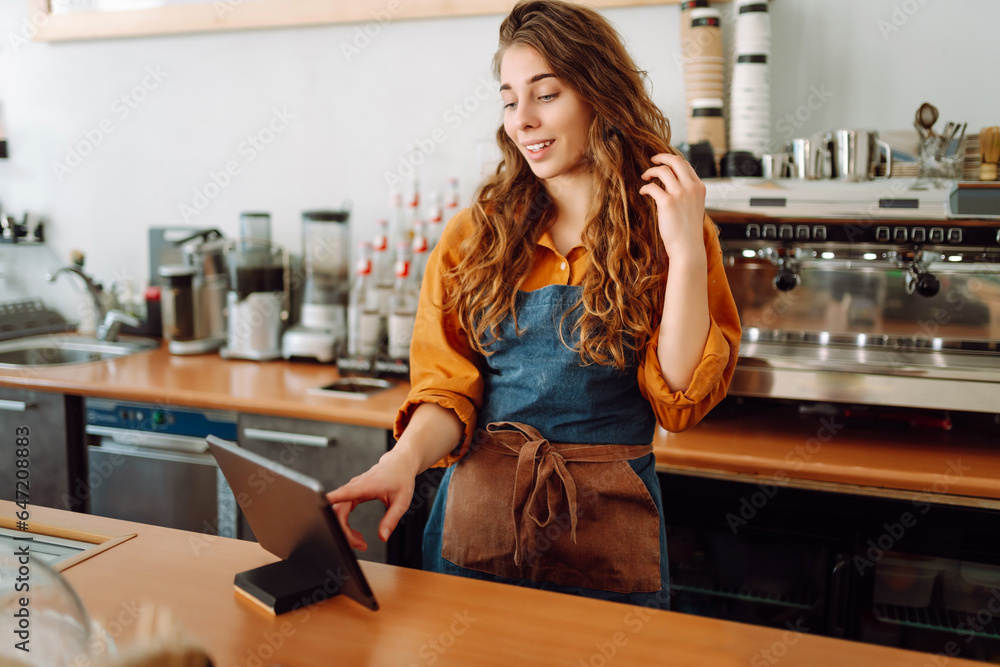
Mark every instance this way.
x=92 y=287
x=108 y=321
x=107 y=330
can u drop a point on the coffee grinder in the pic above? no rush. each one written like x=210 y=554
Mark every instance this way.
x=194 y=295
x=258 y=298
x=322 y=327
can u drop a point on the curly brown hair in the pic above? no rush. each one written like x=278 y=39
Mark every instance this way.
x=622 y=289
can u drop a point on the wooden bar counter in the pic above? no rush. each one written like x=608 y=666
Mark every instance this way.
x=774 y=444
x=425 y=618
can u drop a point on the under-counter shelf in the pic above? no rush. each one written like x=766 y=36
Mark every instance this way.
x=938 y=618
x=806 y=597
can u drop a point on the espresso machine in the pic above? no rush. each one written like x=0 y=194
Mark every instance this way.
x=865 y=293
x=257 y=303
x=322 y=327
x=194 y=296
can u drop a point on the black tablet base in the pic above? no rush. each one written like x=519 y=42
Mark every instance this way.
x=283 y=586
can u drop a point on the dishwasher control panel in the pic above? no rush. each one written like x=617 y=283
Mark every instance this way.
x=158 y=418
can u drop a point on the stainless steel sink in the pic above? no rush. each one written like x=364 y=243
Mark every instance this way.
x=61 y=349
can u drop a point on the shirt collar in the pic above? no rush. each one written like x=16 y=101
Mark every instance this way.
x=546 y=242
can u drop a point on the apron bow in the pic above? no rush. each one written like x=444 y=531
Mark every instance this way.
x=541 y=483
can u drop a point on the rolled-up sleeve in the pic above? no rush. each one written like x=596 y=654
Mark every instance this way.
x=680 y=410
x=444 y=369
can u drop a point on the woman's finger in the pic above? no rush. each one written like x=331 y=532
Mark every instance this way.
x=666 y=176
x=656 y=192
x=354 y=490
x=393 y=514
x=681 y=168
x=354 y=538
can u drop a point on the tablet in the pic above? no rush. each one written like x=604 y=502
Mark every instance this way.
x=292 y=519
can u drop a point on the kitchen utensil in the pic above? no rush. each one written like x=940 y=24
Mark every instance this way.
x=179 y=311
x=806 y=157
x=739 y=164
x=854 y=154
x=989 y=148
x=774 y=165
x=702 y=157
x=203 y=252
x=939 y=162
x=948 y=127
x=926 y=116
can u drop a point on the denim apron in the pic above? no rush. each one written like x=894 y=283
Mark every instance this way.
x=587 y=518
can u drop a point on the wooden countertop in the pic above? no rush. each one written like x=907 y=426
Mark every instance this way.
x=425 y=618
x=767 y=442
x=209 y=381
x=772 y=443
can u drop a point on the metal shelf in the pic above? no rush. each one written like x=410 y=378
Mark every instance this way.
x=937 y=618
x=805 y=598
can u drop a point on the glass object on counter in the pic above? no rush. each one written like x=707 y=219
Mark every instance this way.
x=452 y=198
x=255 y=226
x=403 y=305
x=363 y=319
x=177 y=302
x=941 y=159
x=382 y=265
x=54 y=625
x=326 y=258
x=435 y=220
x=421 y=249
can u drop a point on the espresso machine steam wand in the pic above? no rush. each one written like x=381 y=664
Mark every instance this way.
x=786 y=259
x=916 y=276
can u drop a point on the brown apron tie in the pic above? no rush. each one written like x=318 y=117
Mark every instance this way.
x=542 y=479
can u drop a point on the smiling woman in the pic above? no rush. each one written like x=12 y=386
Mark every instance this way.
x=578 y=302
x=557 y=144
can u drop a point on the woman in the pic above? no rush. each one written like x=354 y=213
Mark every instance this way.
x=579 y=301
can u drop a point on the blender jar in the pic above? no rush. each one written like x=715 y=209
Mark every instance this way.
x=326 y=259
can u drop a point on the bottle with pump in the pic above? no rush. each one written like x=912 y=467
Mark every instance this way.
x=403 y=307
x=363 y=317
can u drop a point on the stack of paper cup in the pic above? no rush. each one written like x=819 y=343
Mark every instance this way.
x=686 y=7
x=705 y=123
x=703 y=77
x=750 y=92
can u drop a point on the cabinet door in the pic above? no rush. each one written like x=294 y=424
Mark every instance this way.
x=329 y=452
x=54 y=425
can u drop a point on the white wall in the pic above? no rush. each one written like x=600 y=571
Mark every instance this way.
x=353 y=120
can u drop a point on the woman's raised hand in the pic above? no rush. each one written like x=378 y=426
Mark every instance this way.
x=680 y=205
x=391 y=481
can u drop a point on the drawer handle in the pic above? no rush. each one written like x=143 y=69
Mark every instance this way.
x=290 y=438
x=15 y=406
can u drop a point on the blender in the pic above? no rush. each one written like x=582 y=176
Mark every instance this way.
x=322 y=327
x=257 y=302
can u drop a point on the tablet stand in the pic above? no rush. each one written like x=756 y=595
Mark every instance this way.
x=286 y=585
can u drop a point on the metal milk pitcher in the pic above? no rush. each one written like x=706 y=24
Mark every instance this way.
x=856 y=153
x=806 y=157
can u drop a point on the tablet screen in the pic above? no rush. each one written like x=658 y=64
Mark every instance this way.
x=291 y=517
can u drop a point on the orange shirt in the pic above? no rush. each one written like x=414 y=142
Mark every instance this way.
x=445 y=369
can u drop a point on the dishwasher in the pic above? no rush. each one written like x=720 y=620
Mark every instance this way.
x=150 y=463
